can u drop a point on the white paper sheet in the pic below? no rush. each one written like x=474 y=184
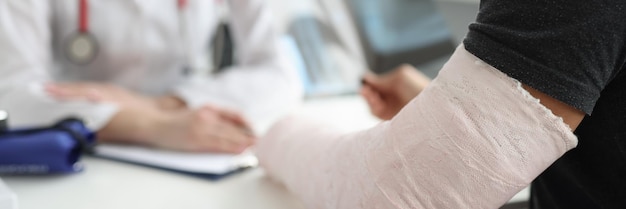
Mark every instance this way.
x=204 y=163
x=8 y=199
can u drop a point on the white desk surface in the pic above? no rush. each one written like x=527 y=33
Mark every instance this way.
x=108 y=184
x=112 y=185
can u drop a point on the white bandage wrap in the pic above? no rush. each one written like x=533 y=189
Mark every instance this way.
x=472 y=139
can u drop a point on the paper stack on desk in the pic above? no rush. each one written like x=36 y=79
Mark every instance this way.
x=208 y=165
x=8 y=199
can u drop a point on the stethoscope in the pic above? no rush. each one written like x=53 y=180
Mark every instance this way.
x=83 y=46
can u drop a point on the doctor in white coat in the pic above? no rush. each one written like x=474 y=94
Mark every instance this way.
x=132 y=70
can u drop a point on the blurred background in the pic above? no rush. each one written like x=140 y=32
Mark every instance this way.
x=337 y=41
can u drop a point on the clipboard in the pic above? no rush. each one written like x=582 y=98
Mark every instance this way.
x=212 y=166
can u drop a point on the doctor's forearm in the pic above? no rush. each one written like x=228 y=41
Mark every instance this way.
x=171 y=102
x=206 y=129
x=131 y=126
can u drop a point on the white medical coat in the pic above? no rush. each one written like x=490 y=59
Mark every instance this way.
x=142 y=48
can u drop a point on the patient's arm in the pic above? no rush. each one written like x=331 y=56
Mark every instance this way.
x=473 y=138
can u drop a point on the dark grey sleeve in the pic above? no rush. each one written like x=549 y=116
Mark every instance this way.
x=568 y=49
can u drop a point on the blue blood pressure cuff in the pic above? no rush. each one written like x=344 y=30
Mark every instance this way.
x=48 y=150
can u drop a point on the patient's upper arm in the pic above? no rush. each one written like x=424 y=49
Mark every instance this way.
x=571 y=116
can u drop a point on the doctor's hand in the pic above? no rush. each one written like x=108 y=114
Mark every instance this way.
x=163 y=122
x=386 y=94
x=101 y=92
x=98 y=92
x=208 y=129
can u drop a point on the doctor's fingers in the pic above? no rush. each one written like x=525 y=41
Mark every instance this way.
x=81 y=86
x=89 y=90
x=235 y=134
x=72 y=92
x=230 y=116
x=227 y=138
x=226 y=146
x=237 y=120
